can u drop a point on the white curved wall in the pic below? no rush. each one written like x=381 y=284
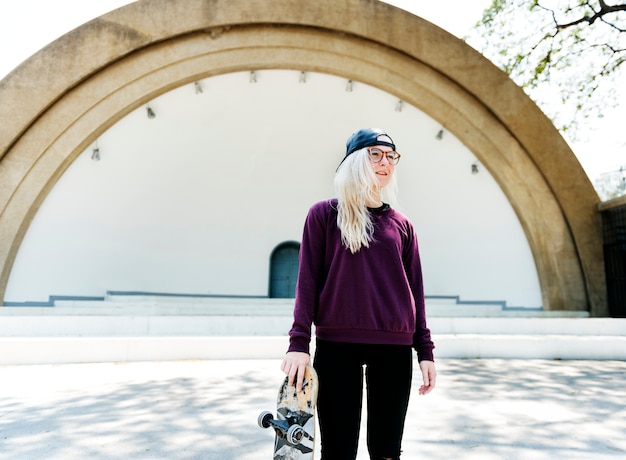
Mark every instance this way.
x=195 y=200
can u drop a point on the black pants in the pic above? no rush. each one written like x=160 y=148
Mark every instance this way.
x=388 y=372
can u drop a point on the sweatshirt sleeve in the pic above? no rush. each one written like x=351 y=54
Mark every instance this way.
x=422 y=341
x=310 y=278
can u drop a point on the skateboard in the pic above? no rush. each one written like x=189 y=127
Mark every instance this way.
x=295 y=419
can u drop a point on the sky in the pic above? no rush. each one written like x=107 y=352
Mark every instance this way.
x=26 y=26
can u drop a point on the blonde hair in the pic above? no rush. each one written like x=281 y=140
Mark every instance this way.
x=355 y=184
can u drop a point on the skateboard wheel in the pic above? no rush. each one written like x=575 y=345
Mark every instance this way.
x=294 y=434
x=264 y=419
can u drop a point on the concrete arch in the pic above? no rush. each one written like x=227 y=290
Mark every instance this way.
x=55 y=104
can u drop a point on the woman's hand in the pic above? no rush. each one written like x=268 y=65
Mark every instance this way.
x=293 y=365
x=429 y=376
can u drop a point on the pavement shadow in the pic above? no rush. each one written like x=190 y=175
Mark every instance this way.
x=481 y=409
x=206 y=417
x=519 y=409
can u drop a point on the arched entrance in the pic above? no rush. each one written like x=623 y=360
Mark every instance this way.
x=284 y=271
x=118 y=62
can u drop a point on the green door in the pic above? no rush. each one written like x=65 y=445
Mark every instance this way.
x=284 y=271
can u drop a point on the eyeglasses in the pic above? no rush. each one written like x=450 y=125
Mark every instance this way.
x=376 y=155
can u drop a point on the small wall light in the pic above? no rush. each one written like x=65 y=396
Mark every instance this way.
x=198 y=87
x=150 y=112
x=349 y=86
x=475 y=168
x=302 y=77
x=439 y=135
x=95 y=154
x=252 y=76
x=399 y=105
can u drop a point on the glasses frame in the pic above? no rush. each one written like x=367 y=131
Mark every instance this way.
x=391 y=161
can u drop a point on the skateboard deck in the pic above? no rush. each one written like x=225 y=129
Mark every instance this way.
x=294 y=423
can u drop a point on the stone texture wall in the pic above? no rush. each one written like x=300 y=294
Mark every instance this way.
x=59 y=101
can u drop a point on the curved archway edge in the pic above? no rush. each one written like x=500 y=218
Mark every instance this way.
x=123 y=59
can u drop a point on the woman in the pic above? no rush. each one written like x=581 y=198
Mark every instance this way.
x=360 y=283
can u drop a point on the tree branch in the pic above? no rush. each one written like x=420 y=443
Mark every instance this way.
x=604 y=10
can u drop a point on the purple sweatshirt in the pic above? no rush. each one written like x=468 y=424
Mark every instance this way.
x=374 y=296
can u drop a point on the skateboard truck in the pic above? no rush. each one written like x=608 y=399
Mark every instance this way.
x=286 y=429
x=294 y=420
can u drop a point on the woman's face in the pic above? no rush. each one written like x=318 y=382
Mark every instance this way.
x=383 y=168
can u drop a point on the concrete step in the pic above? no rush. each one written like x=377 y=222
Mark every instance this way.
x=157 y=305
x=529 y=326
x=143 y=325
x=132 y=329
x=59 y=350
x=127 y=325
x=142 y=305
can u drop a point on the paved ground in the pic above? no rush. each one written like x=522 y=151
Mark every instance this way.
x=482 y=409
